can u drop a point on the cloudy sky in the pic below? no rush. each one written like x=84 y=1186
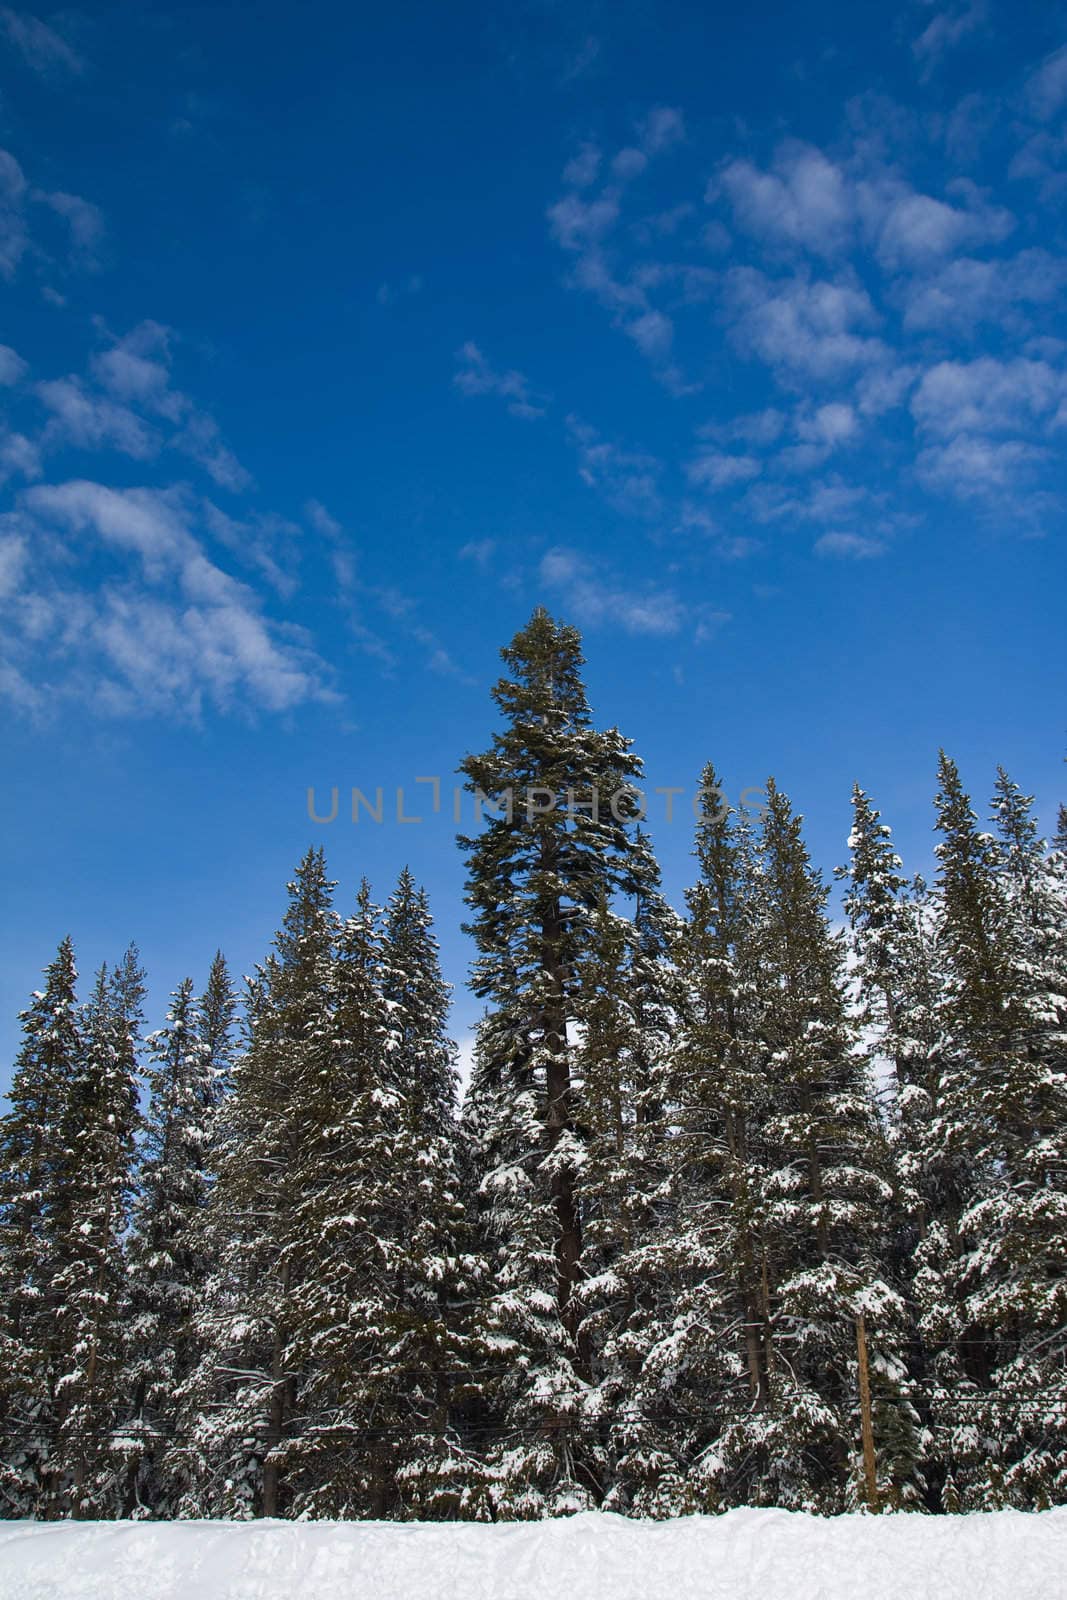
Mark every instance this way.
x=336 y=338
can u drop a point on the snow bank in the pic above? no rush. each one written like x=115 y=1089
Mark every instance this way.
x=744 y=1555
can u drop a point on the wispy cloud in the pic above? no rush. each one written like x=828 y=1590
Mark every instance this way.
x=130 y=404
x=84 y=221
x=1046 y=87
x=475 y=376
x=12 y=366
x=582 y=223
x=628 y=480
x=394 y=290
x=947 y=28
x=804 y=330
x=849 y=546
x=478 y=551
x=166 y=630
x=14 y=236
x=43 y=49
x=596 y=601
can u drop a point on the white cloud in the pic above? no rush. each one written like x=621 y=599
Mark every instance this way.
x=830 y=425
x=803 y=330
x=322 y=521
x=12 y=562
x=594 y=601
x=752 y=428
x=84 y=220
x=627 y=480
x=826 y=500
x=653 y=334
x=478 y=551
x=265 y=544
x=661 y=129
x=170 y=634
x=972 y=467
x=912 y=231
x=804 y=200
x=578 y=224
x=848 y=546
x=719 y=470
x=1046 y=89
x=967 y=291
x=12 y=366
x=201 y=440
x=18 y=455
x=628 y=163
x=42 y=48
x=13 y=235
x=986 y=395
x=582 y=169
x=882 y=389
x=90 y=421
x=474 y=376
x=134 y=371
x=946 y=29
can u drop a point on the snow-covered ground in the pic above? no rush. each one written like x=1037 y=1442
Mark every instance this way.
x=744 y=1555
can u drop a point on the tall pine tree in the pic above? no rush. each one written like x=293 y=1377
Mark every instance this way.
x=558 y=841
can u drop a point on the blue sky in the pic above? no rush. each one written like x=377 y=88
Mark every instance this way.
x=336 y=338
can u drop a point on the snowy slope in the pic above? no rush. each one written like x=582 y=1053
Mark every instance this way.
x=744 y=1555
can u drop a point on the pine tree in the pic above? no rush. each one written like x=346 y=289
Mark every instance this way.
x=87 y=1288
x=217 y=1011
x=35 y=1191
x=627 y=1014
x=892 y=928
x=429 y=1370
x=237 y=1405
x=718 y=1349
x=558 y=842
x=1005 y=1111
x=167 y=1260
x=824 y=1202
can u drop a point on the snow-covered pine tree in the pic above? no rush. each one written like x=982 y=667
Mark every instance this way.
x=1004 y=931
x=342 y=1247
x=218 y=1012
x=167 y=1254
x=715 y=1353
x=237 y=1406
x=627 y=1012
x=558 y=843
x=332 y=1367
x=892 y=932
x=825 y=1201
x=35 y=1189
x=428 y=1371
x=178 y=1484
x=87 y=1289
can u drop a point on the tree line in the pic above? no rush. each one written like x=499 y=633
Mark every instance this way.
x=737 y=1209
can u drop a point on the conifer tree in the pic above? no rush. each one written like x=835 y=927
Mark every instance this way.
x=35 y=1189
x=892 y=930
x=1004 y=1110
x=87 y=1289
x=720 y=1342
x=237 y=1406
x=429 y=1369
x=558 y=841
x=627 y=1014
x=167 y=1260
x=824 y=1202
x=218 y=1012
